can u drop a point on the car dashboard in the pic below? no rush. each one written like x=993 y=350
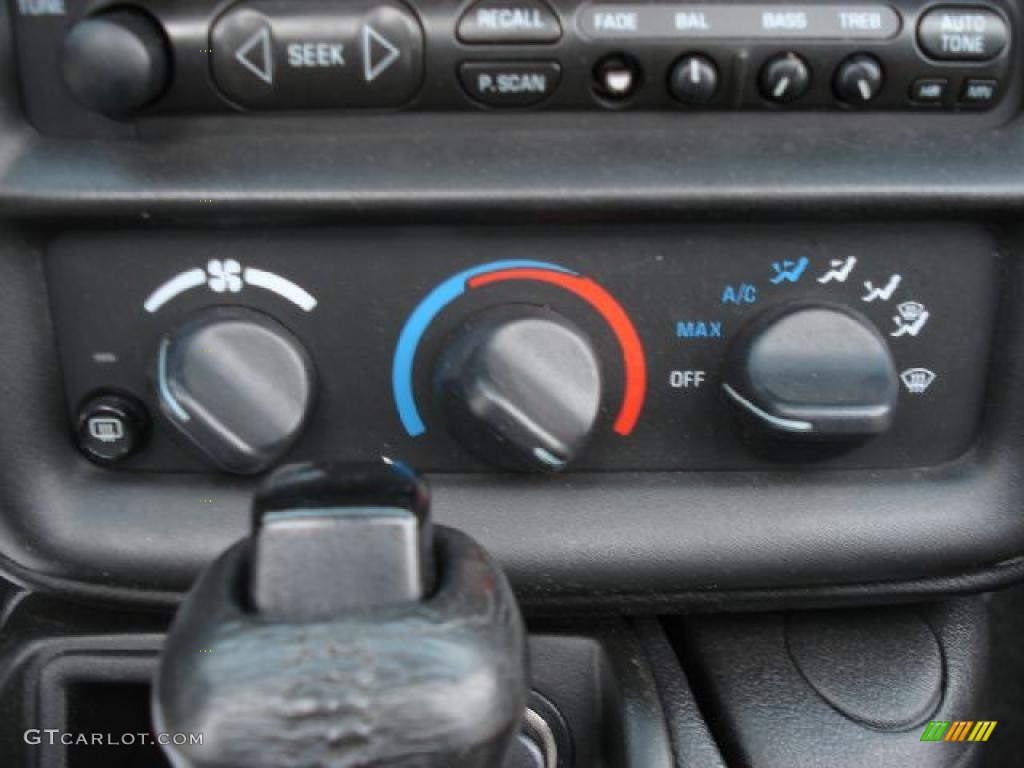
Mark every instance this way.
x=701 y=318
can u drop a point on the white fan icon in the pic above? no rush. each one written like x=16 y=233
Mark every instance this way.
x=224 y=275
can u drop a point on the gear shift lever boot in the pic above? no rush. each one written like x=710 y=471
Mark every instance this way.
x=421 y=683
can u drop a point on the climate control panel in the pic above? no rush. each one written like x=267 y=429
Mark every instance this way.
x=592 y=349
x=153 y=57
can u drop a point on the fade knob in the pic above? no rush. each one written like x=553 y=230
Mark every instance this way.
x=237 y=385
x=521 y=387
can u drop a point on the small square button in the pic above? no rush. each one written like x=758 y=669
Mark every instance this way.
x=929 y=90
x=979 y=93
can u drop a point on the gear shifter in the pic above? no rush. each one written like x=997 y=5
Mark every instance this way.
x=347 y=631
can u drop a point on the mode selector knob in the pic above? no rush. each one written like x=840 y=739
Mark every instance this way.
x=521 y=387
x=237 y=384
x=812 y=371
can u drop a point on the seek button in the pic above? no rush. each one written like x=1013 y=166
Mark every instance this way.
x=303 y=54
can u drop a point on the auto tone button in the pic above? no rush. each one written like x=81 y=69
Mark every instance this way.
x=277 y=55
x=963 y=34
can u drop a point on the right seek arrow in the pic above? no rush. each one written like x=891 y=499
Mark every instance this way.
x=379 y=53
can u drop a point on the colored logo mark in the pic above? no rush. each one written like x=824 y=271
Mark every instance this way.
x=958 y=730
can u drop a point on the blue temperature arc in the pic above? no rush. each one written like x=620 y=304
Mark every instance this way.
x=421 y=318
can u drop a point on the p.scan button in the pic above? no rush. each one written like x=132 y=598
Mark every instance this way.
x=270 y=54
x=510 y=83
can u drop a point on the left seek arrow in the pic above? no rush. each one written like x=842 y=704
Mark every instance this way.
x=309 y=55
x=256 y=55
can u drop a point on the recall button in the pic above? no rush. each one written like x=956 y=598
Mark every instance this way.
x=491 y=22
x=963 y=34
x=510 y=83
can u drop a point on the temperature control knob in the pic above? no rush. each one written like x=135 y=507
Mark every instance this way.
x=237 y=384
x=521 y=388
x=812 y=371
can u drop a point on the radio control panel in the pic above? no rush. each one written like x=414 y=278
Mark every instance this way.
x=117 y=61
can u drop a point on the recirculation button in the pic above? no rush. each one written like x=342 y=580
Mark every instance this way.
x=312 y=55
x=510 y=83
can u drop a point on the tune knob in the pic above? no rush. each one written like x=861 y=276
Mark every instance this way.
x=237 y=385
x=521 y=388
x=812 y=371
x=117 y=61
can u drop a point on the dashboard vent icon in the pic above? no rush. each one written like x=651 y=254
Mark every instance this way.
x=917 y=380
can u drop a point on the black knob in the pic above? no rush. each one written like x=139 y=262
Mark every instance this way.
x=521 y=387
x=812 y=371
x=116 y=62
x=784 y=78
x=693 y=80
x=859 y=79
x=237 y=385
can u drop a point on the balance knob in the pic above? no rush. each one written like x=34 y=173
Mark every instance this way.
x=521 y=388
x=237 y=385
x=812 y=372
x=117 y=61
